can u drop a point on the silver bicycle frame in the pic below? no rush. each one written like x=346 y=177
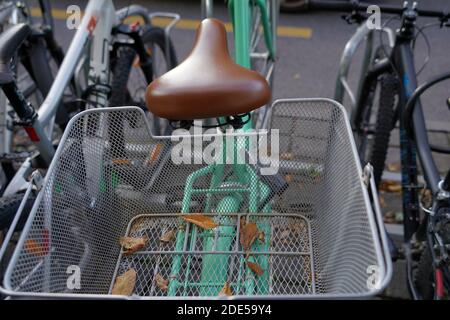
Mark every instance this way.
x=93 y=34
x=362 y=34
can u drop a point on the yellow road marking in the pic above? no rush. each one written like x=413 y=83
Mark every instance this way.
x=190 y=24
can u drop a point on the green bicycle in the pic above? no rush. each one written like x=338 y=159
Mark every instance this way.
x=285 y=214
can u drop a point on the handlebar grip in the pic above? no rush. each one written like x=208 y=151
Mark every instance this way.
x=340 y=6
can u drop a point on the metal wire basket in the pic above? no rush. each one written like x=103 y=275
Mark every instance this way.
x=318 y=236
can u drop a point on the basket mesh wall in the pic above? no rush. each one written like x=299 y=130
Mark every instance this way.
x=110 y=178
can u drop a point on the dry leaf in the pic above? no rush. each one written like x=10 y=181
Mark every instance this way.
x=298 y=227
x=261 y=236
x=131 y=245
x=382 y=202
x=138 y=225
x=121 y=161
x=168 y=236
x=242 y=222
x=285 y=234
x=389 y=217
x=288 y=178
x=426 y=197
x=390 y=186
x=226 y=290
x=33 y=247
x=124 y=284
x=255 y=268
x=287 y=156
x=200 y=220
x=394 y=167
x=161 y=282
x=248 y=235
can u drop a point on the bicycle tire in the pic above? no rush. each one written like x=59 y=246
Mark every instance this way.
x=384 y=124
x=423 y=277
x=293 y=6
x=384 y=119
x=8 y=209
x=126 y=55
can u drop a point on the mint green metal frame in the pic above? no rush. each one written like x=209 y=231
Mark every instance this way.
x=249 y=187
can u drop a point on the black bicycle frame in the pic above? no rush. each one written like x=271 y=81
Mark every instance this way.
x=401 y=61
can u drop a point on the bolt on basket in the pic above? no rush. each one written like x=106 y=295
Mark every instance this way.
x=303 y=229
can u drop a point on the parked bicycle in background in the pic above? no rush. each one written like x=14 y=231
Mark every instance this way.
x=109 y=63
x=386 y=95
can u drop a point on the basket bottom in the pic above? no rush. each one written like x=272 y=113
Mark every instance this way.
x=182 y=259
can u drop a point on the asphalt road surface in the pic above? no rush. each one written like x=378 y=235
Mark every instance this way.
x=307 y=64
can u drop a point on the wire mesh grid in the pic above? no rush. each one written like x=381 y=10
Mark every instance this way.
x=111 y=178
x=285 y=257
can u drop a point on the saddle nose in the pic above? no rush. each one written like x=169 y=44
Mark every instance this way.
x=208 y=84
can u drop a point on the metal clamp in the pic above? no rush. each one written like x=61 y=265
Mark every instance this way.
x=371 y=187
x=175 y=18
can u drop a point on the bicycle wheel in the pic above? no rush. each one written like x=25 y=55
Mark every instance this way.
x=372 y=134
x=424 y=276
x=262 y=53
x=129 y=83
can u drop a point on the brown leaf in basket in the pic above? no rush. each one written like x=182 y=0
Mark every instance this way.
x=131 y=245
x=287 y=156
x=33 y=247
x=261 y=236
x=255 y=268
x=162 y=283
x=200 y=220
x=226 y=290
x=168 y=236
x=248 y=235
x=124 y=284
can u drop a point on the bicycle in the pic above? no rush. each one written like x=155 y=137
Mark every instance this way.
x=393 y=76
x=306 y=247
x=255 y=24
x=34 y=67
x=100 y=76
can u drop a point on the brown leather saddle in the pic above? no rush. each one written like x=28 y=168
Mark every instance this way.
x=208 y=84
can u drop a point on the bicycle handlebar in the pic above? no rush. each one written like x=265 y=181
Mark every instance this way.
x=360 y=6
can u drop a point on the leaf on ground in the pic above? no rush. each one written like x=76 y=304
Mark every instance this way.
x=248 y=234
x=131 y=245
x=162 y=283
x=394 y=167
x=389 y=217
x=33 y=247
x=382 y=201
x=289 y=178
x=124 y=284
x=200 y=220
x=226 y=290
x=287 y=156
x=168 y=236
x=255 y=268
x=390 y=186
